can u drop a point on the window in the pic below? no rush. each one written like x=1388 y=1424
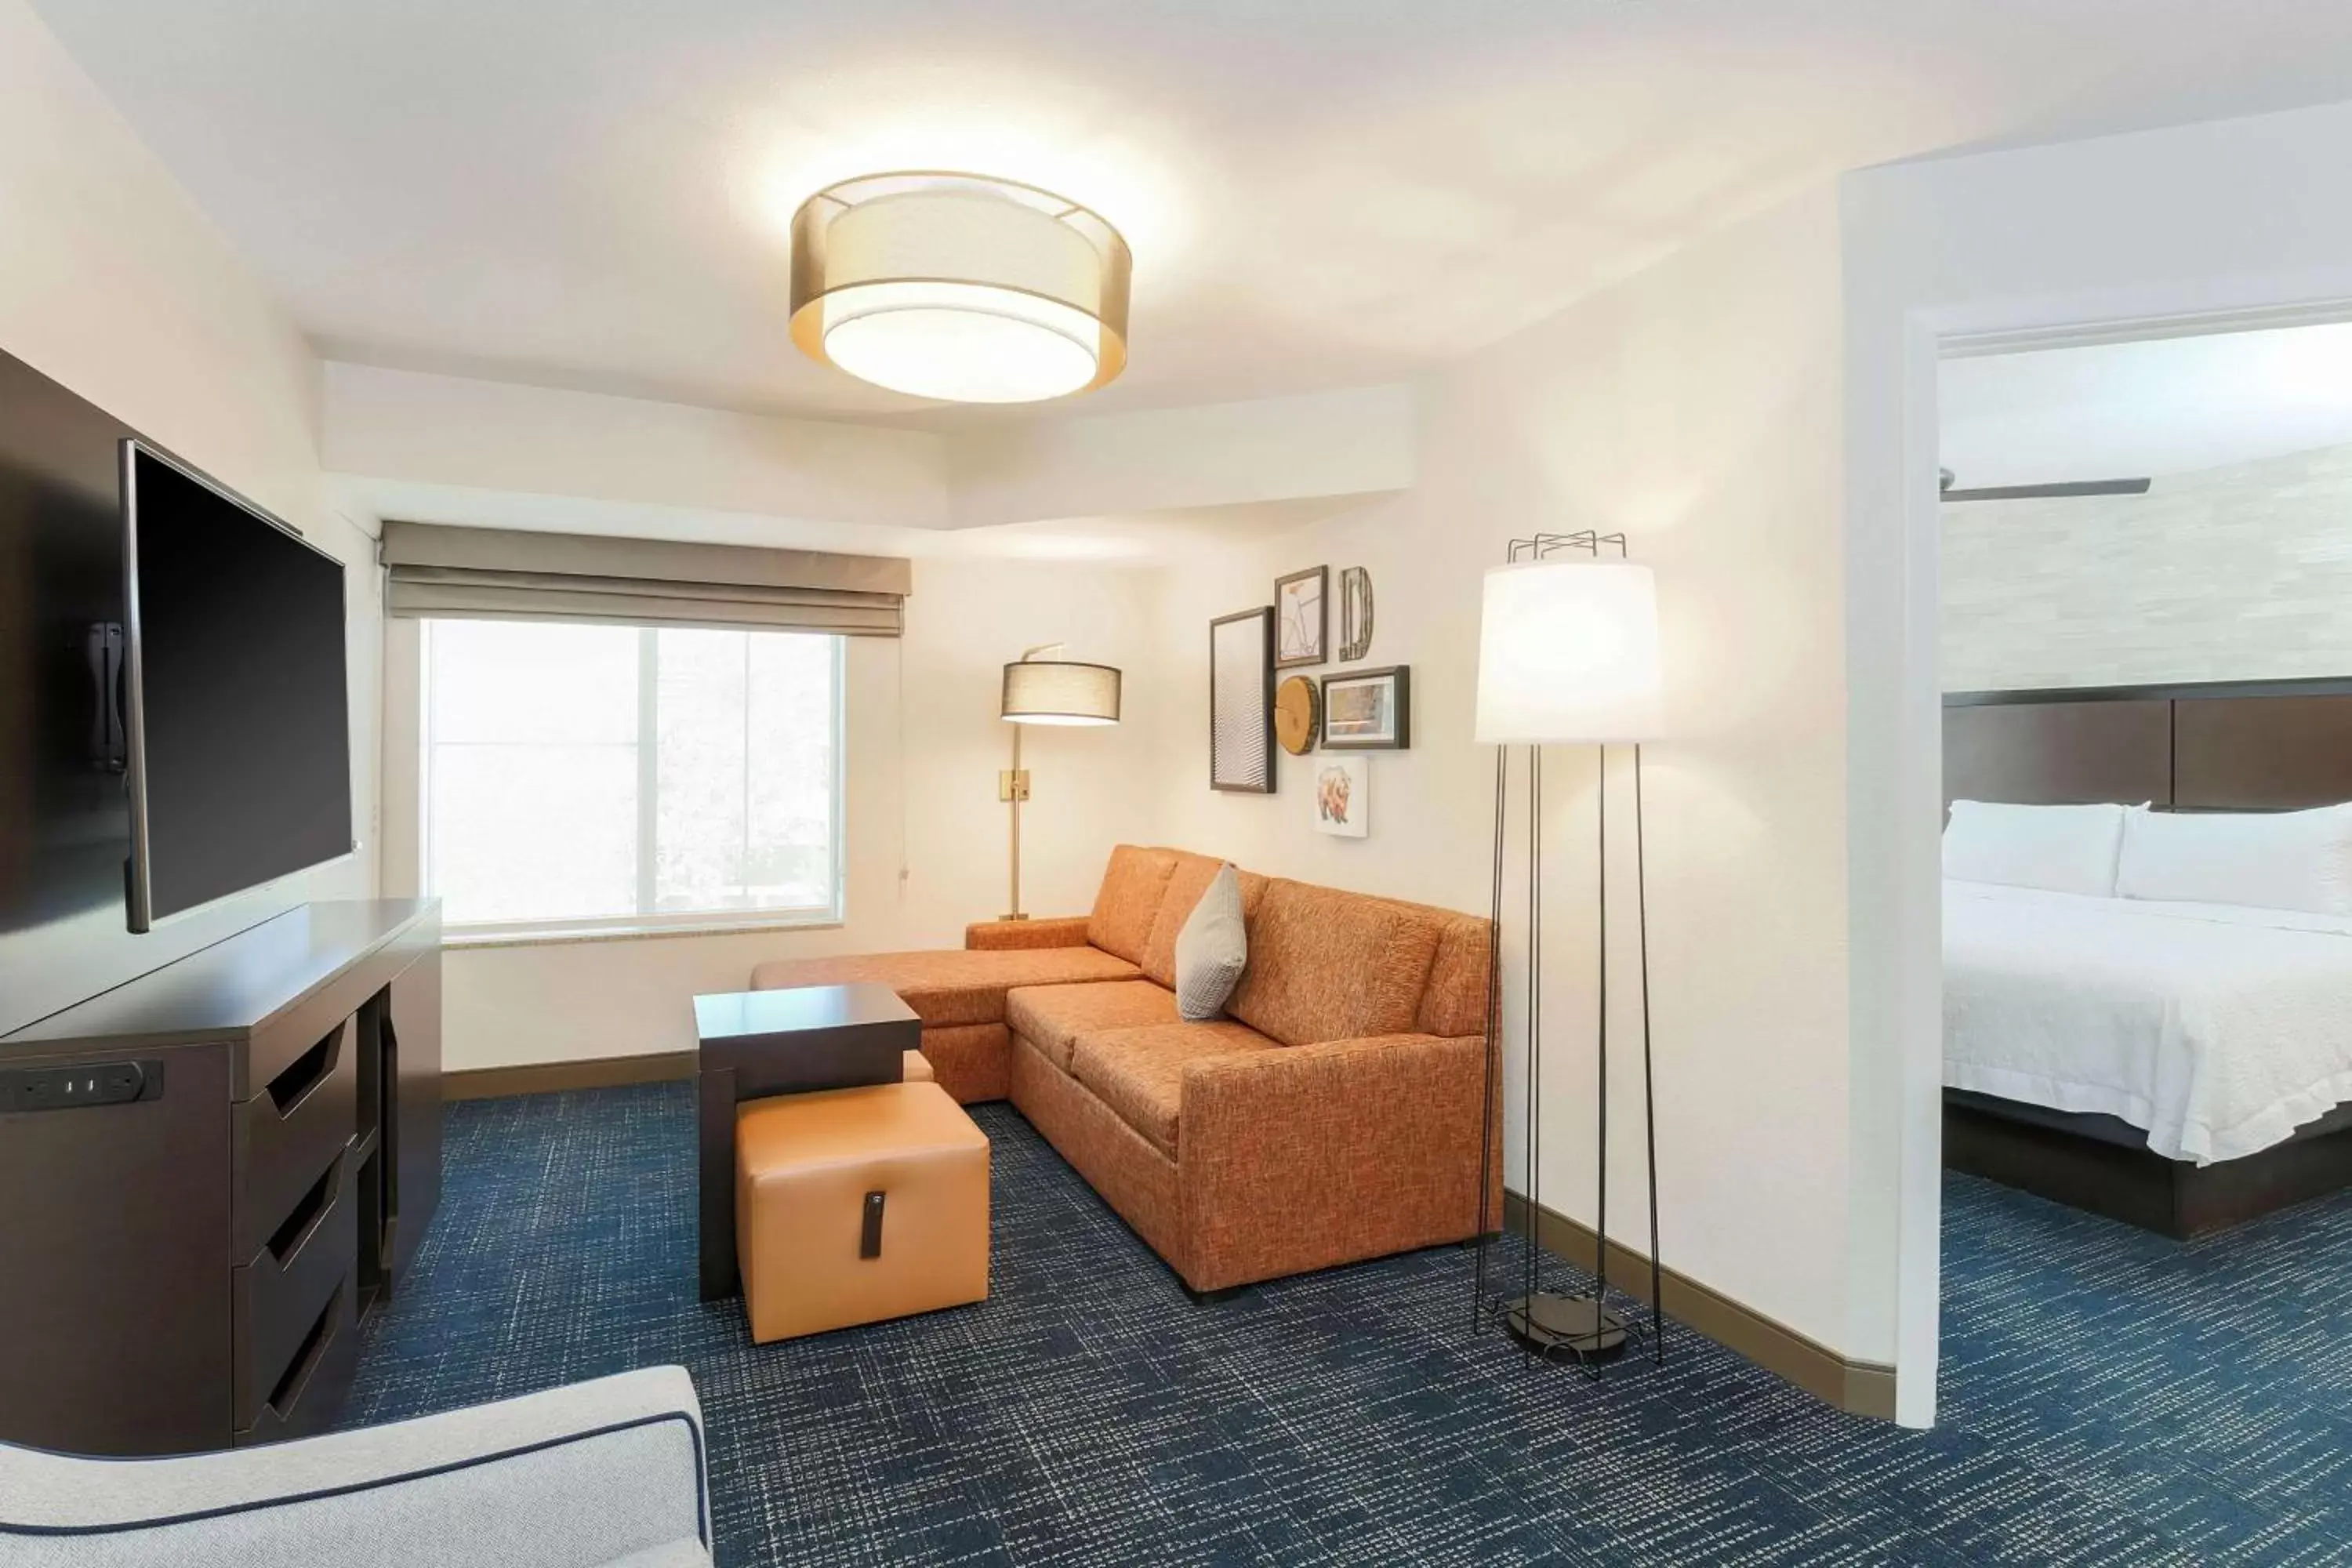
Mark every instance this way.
x=611 y=777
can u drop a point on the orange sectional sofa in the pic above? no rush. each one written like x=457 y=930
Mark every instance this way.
x=1333 y=1115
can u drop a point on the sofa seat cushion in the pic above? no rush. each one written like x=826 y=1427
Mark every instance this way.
x=1052 y=1017
x=1331 y=965
x=1133 y=886
x=956 y=986
x=1140 y=1073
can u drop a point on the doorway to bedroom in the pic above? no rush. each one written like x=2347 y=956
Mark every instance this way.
x=2146 y=642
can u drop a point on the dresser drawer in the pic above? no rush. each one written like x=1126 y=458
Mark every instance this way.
x=307 y=1395
x=275 y=1296
x=290 y=1131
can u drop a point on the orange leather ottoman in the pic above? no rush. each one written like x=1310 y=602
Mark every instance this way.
x=857 y=1205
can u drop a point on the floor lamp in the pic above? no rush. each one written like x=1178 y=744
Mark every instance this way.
x=1043 y=690
x=1568 y=653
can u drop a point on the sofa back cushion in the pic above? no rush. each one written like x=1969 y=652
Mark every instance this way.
x=1133 y=887
x=1212 y=950
x=1189 y=879
x=1454 y=1003
x=1331 y=965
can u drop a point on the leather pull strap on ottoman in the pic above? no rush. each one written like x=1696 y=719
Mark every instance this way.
x=857 y=1205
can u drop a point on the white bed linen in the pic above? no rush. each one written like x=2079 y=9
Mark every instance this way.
x=2219 y=1028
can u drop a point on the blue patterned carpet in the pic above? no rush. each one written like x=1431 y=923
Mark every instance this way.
x=2109 y=1397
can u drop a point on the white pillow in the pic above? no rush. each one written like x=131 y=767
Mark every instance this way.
x=1212 y=950
x=2064 y=848
x=2271 y=859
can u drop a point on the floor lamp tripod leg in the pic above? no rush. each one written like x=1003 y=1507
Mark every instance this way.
x=1492 y=1065
x=1649 y=1076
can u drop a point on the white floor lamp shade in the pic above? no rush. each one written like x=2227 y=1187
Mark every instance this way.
x=1568 y=651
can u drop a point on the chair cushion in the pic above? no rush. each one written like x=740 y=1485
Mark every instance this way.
x=1210 y=951
x=1128 y=899
x=1140 y=1073
x=1331 y=965
x=957 y=986
x=1186 y=883
x=1051 y=1017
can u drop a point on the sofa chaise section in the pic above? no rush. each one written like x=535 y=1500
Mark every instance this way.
x=958 y=993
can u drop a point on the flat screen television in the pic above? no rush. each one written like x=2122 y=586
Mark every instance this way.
x=237 y=711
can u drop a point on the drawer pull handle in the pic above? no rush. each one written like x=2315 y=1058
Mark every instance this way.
x=295 y=1232
x=289 y=1391
x=307 y=1071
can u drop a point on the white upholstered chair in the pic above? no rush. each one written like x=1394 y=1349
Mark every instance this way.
x=608 y=1472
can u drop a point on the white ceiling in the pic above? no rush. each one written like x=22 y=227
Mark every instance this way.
x=1319 y=193
x=2166 y=405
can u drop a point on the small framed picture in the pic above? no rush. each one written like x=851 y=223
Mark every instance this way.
x=1343 y=800
x=1368 y=709
x=1301 y=602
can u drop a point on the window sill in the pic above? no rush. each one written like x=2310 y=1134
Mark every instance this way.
x=549 y=936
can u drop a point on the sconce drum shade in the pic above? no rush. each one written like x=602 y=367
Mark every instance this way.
x=958 y=288
x=1059 y=691
x=1567 y=650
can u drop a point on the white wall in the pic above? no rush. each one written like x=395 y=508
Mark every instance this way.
x=927 y=835
x=495 y=435
x=425 y=443
x=2242 y=573
x=2232 y=221
x=113 y=284
x=1696 y=408
x=1352 y=442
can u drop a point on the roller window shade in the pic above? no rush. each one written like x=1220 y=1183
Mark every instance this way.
x=481 y=574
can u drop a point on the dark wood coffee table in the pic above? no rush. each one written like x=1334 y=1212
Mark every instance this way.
x=759 y=1043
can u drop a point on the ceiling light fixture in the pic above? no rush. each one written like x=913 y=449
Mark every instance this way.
x=959 y=288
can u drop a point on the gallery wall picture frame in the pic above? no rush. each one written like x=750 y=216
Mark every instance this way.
x=1341 y=801
x=1302 y=620
x=1355 y=613
x=1368 y=709
x=1241 y=702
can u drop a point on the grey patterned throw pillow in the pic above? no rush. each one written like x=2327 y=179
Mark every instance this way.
x=1212 y=950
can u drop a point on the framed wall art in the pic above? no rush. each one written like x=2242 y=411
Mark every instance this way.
x=1343 y=797
x=1355 y=614
x=1241 y=702
x=1368 y=709
x=1302 y=602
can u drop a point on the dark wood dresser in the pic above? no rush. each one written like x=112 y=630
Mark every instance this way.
x=209 y=1174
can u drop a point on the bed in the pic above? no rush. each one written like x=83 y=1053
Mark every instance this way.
x=2181 y=1064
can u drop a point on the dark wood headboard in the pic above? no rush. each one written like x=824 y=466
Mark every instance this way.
x=2237 y=746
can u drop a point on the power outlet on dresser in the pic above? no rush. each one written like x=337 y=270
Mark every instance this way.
x=75 y=1087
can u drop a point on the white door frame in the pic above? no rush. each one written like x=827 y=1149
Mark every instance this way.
x=1930 y=337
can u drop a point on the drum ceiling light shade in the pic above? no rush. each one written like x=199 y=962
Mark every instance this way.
x=1059 y=691
x=959 y=288
x=1567 y=650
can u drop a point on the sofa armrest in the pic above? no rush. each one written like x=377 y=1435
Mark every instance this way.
x=1311 y=1156
x=1065 y=932
x=586 y=1474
